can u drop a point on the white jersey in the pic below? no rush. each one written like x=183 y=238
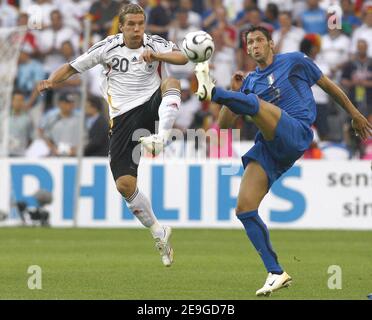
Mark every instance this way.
x=126 y=83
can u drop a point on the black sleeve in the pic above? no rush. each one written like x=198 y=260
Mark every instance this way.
x=347 y=71
x=98 y=137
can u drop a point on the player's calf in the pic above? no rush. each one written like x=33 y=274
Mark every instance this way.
x=169 y=106
x=168 y=112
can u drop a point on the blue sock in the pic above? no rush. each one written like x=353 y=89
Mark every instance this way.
x=237 y=102
x=259 y=236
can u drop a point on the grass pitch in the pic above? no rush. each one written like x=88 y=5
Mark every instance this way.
x=209 y=264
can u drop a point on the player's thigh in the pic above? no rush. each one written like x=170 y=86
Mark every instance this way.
x=267 y=119
x=150 y=112
x=253 y=188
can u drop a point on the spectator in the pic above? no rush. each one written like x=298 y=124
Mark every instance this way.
x=39 y=8
x=30 y=72
x=98 y=129
x=50 y=42
x=61 y=130
x=218 y=19
x=299 y=7
x=357 y=79
x=335 y=51
x=310 y=46
x=271 y=15
x=242 y=16
x=51 y=39
x=177 y=33
x=222 y=63
x=198 y=6
x=73 y=12
x=8 y=15
x=194 y=18
x=209 y=16
x=102 y=13
x=72 y=84
x=288 y=37
x=20 y=126
x=160 y=19
x=364 y=31
x=29 y=42
x=282 y=5
x=314 y=19
x=349 y=20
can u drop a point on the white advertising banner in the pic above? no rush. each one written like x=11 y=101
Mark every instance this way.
x=312 y=194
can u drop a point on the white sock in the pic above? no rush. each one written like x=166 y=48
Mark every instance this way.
x=141 y=208
x=168 y=111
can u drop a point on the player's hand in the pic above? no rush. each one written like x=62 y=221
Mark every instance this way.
x=361 y=127
x=237 y=80
x=148 y=56
x=43 y=86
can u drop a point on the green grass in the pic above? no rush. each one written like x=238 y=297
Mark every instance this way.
x=209 y=264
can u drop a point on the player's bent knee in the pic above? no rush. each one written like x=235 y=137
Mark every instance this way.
x=169 y=83
x=246 y=206
x=126 y=186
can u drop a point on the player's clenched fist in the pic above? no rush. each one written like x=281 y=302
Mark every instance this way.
x=361 y=126
x=148 y=56
x=44 y=85
x=237 y=80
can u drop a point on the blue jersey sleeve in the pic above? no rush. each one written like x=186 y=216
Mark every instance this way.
x=246 y=86
x=312 y=71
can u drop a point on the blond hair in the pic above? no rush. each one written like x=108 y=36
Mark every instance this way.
x=130 y=8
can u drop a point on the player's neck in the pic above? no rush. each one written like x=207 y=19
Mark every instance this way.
x=265 y=63
x=132 y=45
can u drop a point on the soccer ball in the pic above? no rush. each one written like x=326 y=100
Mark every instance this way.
x=198 y=46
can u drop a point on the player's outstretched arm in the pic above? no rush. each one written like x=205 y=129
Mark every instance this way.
x=61 y=74
x=173 y=57
x=360 y=124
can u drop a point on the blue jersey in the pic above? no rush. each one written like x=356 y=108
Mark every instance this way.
x=287 y=84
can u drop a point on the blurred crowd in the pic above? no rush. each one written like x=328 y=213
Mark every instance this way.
x=47 y=125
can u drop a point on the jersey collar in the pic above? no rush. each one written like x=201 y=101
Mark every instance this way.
x=145 y=40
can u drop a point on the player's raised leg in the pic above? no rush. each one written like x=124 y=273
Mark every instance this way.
x=253 y=188
x=265 y=115
x=168 y=111
x=140 y=206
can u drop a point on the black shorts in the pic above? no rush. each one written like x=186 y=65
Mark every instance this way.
x=127 y=128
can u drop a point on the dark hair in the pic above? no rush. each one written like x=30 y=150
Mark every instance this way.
x=95 y=102
x=182 y=11
x=17 y=91
x=265 y=31
x=273 y=8
x=287 y=13
x=56 y=11
x=128 y=9
x=305 y=46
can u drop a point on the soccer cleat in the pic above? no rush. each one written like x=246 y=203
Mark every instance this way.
x=164 y=247
x=154 y=144
x=205 y=83
x=274 y=282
